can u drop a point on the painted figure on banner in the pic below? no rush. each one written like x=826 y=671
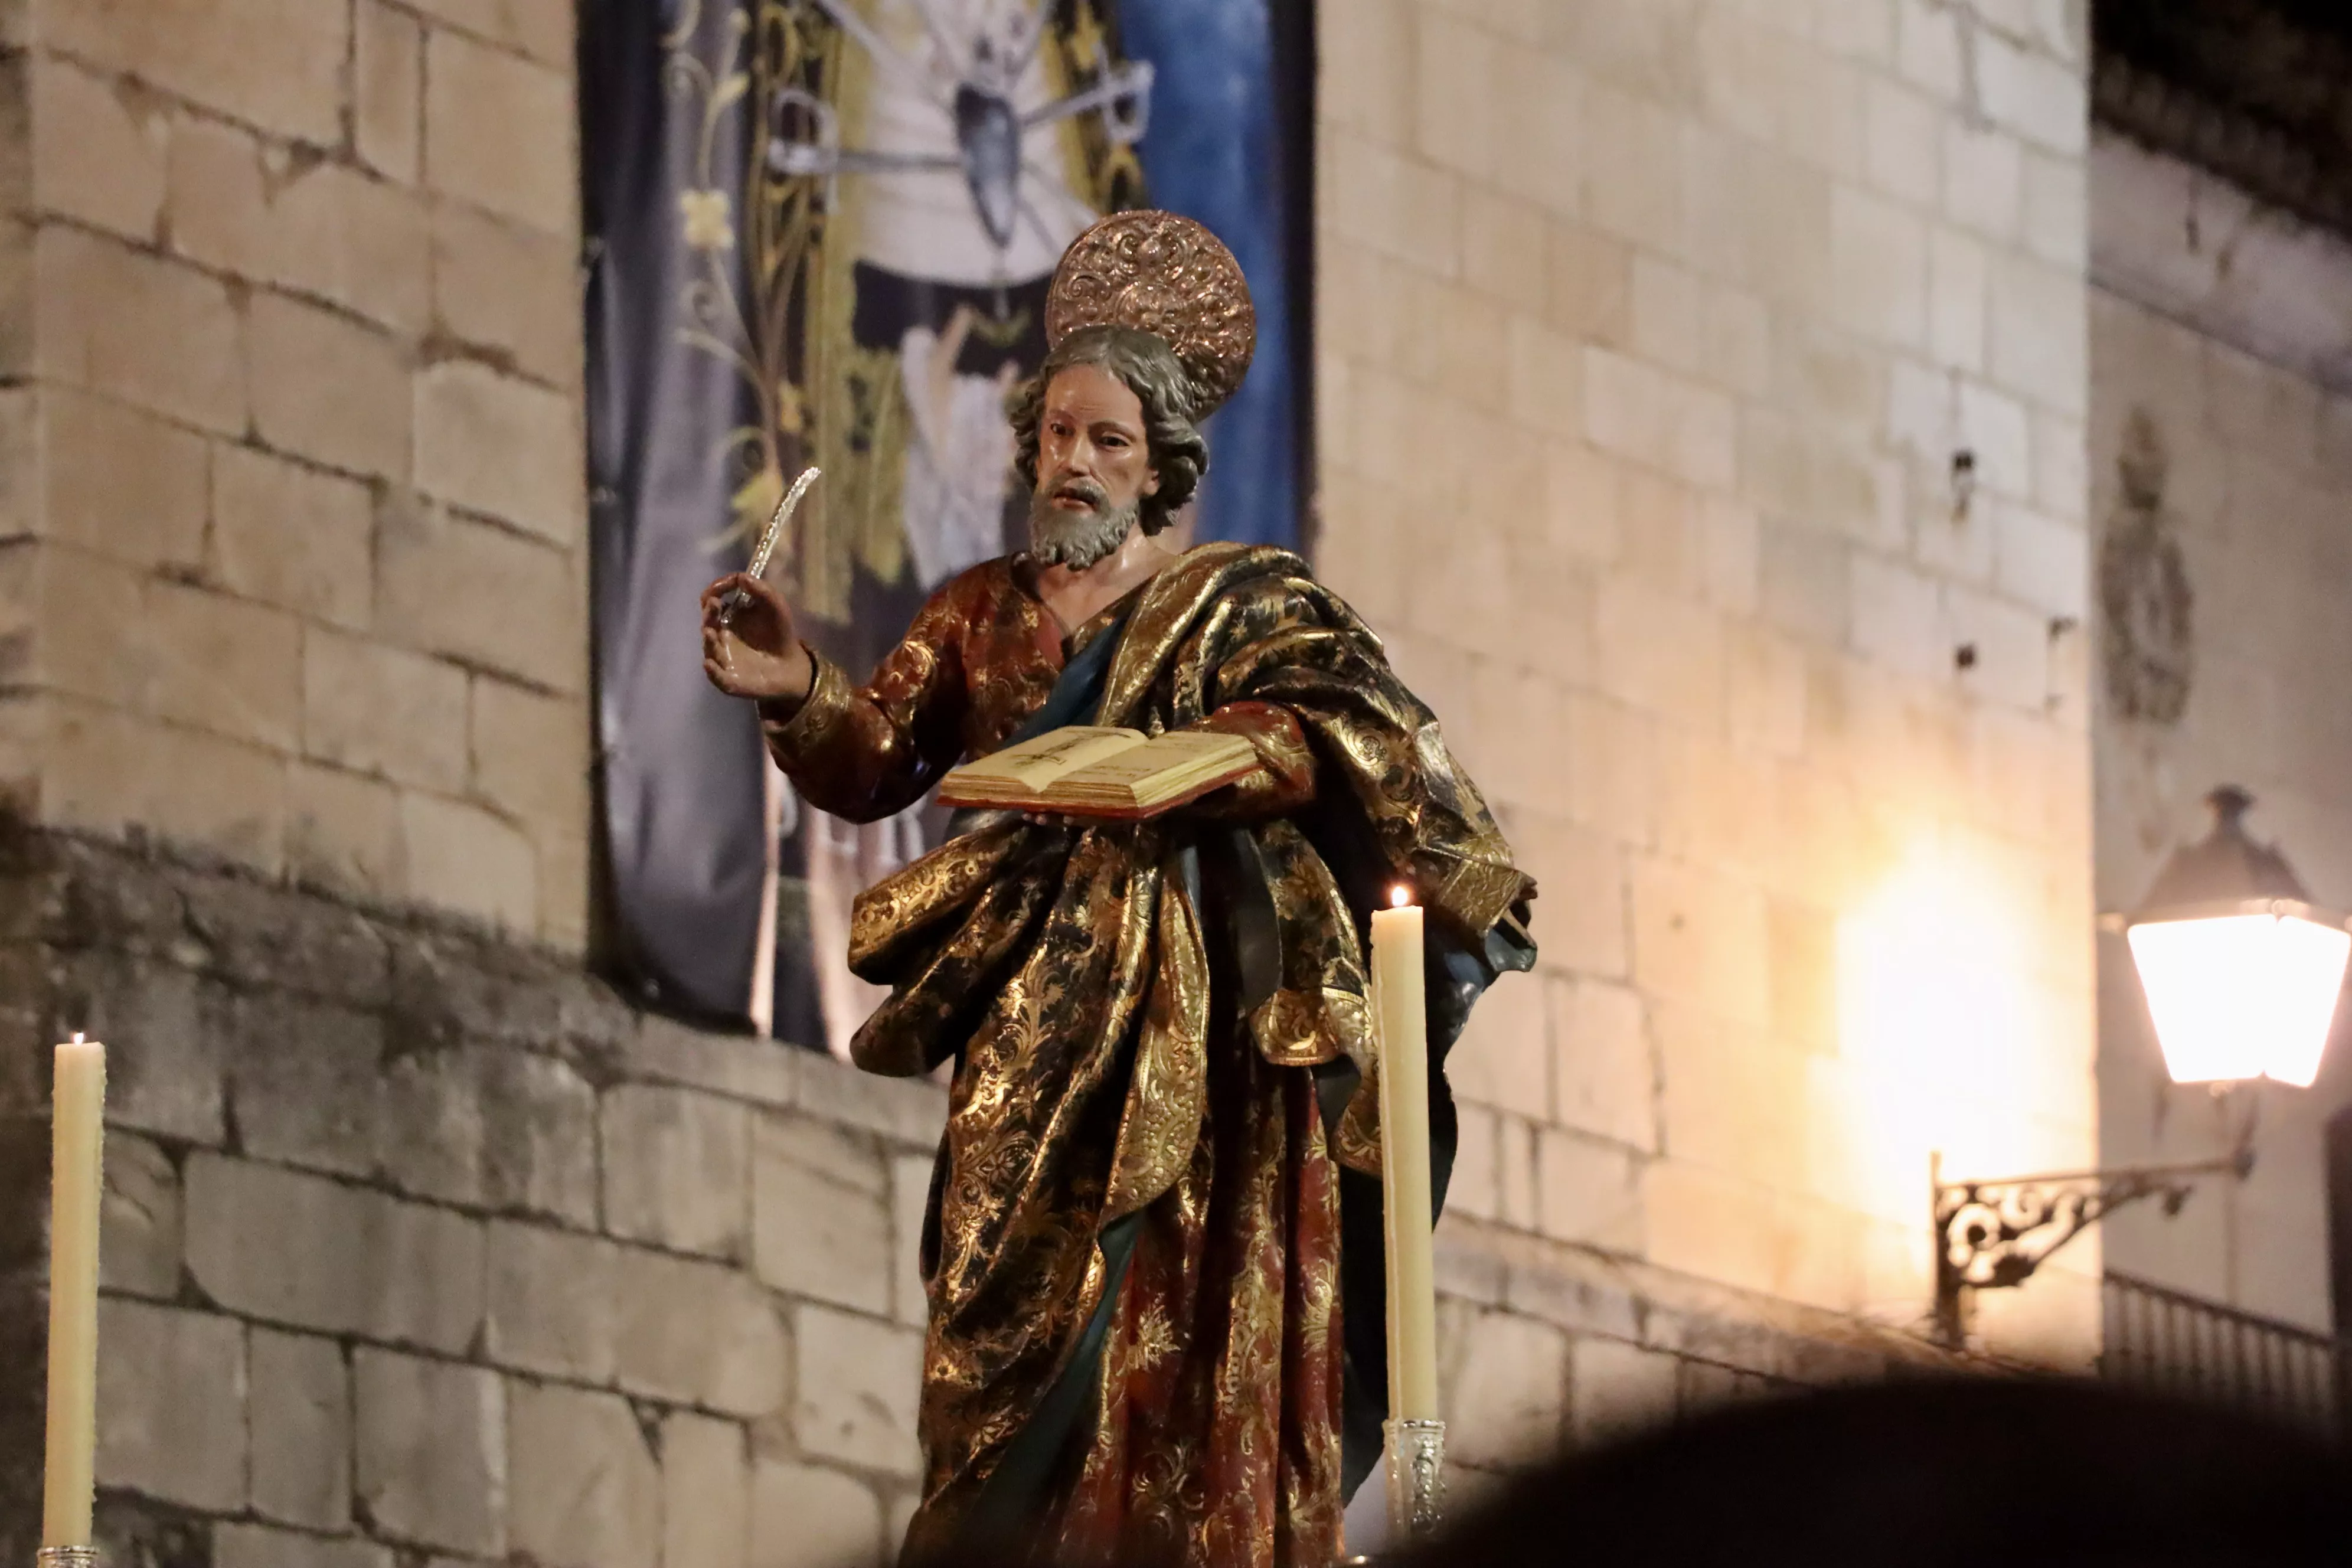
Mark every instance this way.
x=915 y=169
x=1152 y=1254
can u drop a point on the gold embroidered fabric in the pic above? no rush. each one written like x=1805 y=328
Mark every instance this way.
x=1083 y=978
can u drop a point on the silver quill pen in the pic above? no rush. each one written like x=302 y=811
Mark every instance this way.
x=736 y=598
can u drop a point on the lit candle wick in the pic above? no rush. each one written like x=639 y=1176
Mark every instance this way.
x=1399 y=896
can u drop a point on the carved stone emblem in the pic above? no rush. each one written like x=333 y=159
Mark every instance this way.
x=2146 y=641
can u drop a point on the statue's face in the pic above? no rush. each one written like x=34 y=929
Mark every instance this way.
x=1092 y=456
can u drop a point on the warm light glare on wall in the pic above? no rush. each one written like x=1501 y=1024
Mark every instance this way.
x=2240 y=996
x=1936 y=1027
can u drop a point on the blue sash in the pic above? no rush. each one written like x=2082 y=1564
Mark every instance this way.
x=1080 y=688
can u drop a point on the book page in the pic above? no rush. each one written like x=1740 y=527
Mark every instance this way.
x=1172 y=760
x=1033 y=766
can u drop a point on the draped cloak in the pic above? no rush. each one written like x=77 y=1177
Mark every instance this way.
x=1152 y=1250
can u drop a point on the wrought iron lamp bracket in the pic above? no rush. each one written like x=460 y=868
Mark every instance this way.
x=1990 y=1235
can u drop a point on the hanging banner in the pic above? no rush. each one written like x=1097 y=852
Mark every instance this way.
x=821 y=232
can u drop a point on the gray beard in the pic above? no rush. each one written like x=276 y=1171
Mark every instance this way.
x=1076 y=539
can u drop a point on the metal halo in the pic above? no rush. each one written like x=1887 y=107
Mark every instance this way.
x=1166 y=275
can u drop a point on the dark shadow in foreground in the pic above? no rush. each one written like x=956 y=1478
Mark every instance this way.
x=1974 y=1473
x=1940 y=1474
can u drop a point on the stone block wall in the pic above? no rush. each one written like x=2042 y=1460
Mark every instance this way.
x=292 y=494
x=2217 y=376
x=424 y=1248
x=1703 y=388
x=1545 y=1347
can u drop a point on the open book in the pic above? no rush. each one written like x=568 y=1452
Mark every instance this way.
x=1085 y=771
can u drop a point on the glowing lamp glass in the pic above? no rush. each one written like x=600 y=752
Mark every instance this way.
x=2240 y=996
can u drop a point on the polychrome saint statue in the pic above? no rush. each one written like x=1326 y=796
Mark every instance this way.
x=1152 y=1251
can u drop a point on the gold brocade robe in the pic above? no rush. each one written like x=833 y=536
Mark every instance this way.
x=1120 y=1052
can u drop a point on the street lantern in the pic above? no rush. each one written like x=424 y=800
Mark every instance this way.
x=2241 y=969
x=2242 y=972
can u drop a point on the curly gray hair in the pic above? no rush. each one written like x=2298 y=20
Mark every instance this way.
x=1148 y=368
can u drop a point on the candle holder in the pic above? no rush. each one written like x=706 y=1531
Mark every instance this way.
x=1416 y=1480
x=66 y=1557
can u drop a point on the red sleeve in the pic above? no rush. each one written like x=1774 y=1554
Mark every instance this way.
x=869 y=751
x=1284 y=779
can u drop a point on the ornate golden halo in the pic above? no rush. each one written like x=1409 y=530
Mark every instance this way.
x=1166 y=275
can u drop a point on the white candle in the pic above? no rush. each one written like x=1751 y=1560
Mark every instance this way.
x=1404 y=1158
x=76 y=1119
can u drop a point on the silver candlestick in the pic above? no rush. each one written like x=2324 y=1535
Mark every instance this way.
x=66 y=1557
x=1416 y=1480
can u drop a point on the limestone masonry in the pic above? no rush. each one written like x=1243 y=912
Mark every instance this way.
x=1652 y=338
x=1702 y=387
x=422 y=1245
x=290 y=450
x=414 y=1239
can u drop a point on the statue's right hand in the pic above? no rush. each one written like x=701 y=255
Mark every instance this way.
x=756 y=652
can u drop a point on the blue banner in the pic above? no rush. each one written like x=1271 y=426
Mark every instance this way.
x=821 y=232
